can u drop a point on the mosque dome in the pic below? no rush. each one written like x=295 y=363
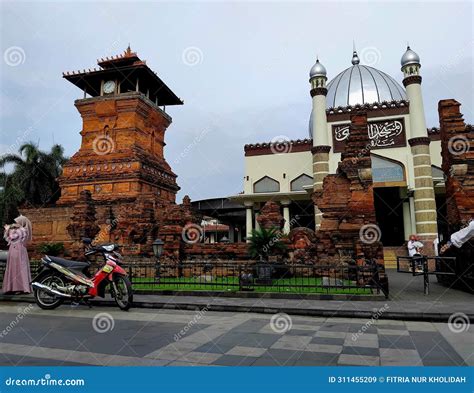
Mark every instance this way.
x=361 y=84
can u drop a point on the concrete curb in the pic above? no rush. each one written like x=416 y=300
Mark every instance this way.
x=313 y=312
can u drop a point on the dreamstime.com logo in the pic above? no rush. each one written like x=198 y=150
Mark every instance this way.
x=192 y=56
x=22 y=312
x=197 y=317
x=14 y=56
x=103 y=322
x=370 y=56
x=281 y=323
x=44 y=381
x=370 y=233
x=281 y=144
x=103 y=145
x=370 y=322
x=192 y=233
x=458 y=145
x=458 y=322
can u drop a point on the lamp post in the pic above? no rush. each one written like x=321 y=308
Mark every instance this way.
x=157 y=251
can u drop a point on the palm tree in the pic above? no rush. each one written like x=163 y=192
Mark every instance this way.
x=266 y=242
x=33 y=179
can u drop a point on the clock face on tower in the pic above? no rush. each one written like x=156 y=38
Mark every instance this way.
x=109 y=87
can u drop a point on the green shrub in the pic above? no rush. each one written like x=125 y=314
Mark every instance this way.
x=53 y=249
x=266 y=242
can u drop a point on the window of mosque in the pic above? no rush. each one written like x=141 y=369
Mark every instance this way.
x=266 y=184
x=300 y=182
x=384 y=170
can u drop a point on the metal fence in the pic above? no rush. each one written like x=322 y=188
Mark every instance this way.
x=232 y=276
x=256 y=277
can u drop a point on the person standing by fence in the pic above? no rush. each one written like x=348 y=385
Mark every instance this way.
x=17 y=276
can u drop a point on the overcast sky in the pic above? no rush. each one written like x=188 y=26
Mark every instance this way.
x=241 y=68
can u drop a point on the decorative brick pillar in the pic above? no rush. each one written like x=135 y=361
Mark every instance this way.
x=457 y=150
x=270 y=216
x=348 y=228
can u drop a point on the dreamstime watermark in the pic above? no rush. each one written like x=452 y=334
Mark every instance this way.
x=370 y=55
x=104 y=233
x=280 y=144
x=13 y=148
x=370 y=322
x=279 y=235
x=103 y=322
x=191 y=146
x=281 y=323
x=192 y=233
x=103 y=145
x=22 y=312
x=458 y=322
x=458 y=145
x=362 y=153
x=44 y=381
x=14 y=56
x=370 y=233
x=197 y=317
x=192 y=56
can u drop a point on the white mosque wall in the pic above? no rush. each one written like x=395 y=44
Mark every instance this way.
x=284 y=168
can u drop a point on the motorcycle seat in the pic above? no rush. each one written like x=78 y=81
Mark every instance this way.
x=77 y=265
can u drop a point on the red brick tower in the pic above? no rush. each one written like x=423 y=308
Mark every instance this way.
x=124 y=124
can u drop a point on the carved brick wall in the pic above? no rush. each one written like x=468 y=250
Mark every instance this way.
x=457 y=150
x=347 y=202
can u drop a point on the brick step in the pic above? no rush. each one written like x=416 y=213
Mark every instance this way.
x=390 y=256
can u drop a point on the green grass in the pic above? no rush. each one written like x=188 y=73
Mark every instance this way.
x=231 y=284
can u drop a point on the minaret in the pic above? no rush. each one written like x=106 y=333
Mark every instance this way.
x=424 y=196
x=321 y=147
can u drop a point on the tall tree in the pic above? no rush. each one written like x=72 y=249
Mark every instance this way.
x=33 y=180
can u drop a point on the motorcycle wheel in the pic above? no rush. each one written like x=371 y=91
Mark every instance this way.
x=45 y=300
x=124 y=295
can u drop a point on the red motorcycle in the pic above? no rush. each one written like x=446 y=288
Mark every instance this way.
x=59 y=279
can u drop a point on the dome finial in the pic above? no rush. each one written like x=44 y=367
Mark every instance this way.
x=355 y=58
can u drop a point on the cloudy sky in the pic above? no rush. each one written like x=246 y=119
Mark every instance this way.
x=240 y=67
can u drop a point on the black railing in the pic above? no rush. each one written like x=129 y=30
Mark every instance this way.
x=257 y=277
x=422 y=265
x=231 y=276
x=34 y=266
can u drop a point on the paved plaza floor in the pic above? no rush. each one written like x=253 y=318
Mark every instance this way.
x=106 y=336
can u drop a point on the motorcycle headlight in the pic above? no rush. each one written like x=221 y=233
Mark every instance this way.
x=109 y=247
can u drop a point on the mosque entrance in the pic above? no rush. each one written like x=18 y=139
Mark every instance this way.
x=389 y=215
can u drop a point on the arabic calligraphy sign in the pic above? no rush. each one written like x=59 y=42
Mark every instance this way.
x=382 y=134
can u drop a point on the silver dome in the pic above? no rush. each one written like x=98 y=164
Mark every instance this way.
x=362 y=84
x=409 y=57
x=317 y=70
